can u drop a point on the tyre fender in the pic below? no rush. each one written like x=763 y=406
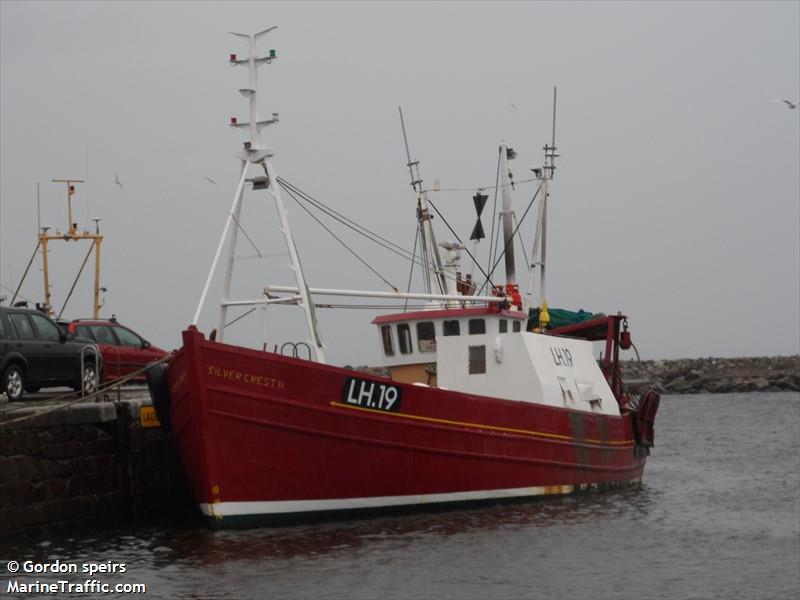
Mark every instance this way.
x=158 y=386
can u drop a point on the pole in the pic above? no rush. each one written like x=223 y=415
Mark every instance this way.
x=236 y=198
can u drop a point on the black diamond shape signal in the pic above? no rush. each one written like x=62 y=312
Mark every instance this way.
x=480 y=201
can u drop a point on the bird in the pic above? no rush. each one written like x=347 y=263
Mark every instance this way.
x=209 y=180
x=514 y=106
x=789 y=103
x=116 y=180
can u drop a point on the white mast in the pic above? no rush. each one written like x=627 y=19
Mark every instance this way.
x=435 y=278
x=256 y=153
x=506 y=185
x=539 y=250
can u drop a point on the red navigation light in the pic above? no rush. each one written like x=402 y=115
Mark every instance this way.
x=233 y=58
x=234 y=120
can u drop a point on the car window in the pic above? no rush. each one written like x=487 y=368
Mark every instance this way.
x=84 y=332
x=103 y=334
x=47 y=329
x=127 y=337
x=22 y=326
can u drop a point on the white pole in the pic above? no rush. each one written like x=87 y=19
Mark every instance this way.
x=294 y=265
x=284 y=289
x=226 y=287
x=228 y=221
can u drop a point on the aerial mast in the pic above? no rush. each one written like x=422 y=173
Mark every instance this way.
x=435 y=278
x=539 y=250
x=256 y=153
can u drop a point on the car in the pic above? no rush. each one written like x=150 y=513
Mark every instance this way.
x=124 y=351
x=36 y=353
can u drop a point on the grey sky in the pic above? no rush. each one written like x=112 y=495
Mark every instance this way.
x=676 y=200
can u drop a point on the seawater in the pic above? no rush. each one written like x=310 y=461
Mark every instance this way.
x=717 y=516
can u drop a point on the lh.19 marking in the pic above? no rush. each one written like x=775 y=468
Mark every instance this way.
x=371 y=394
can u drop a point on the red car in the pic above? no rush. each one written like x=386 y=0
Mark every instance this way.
x=124 y=351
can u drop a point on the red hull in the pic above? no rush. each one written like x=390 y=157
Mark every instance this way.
x=263 y=435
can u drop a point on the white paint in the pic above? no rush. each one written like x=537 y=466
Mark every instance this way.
x=227 y=509
x=543 y=369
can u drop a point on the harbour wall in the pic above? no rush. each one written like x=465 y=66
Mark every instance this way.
x=715 y=375
x=89 y=465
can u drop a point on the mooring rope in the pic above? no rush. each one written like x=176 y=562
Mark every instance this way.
x=101 y=390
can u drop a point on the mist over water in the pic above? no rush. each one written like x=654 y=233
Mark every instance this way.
x=718 y=516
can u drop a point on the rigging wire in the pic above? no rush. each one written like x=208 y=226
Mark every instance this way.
x=411 y=271
x=397 y=249
x=480 y=188
x=459 y=240
x=360 y=229
x=511 y=239
x=338 y=239
x=252 y=243
x=241 y=316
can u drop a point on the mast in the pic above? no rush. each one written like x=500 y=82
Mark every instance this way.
x=539 y=251
x=435 y=278
x=506 y=185
x=256 y=153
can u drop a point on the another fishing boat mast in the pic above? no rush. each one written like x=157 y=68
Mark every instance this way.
x=256 y=153
x=435 y=278
x=539 y=251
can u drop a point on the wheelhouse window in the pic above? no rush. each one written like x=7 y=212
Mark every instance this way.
x=517 y=326
x=404 y=338
x=477 y=326
x=386 y=336
x=477 y=360
x=47 y=329
x=503 y=326
x=451 y=328
x=426 y=336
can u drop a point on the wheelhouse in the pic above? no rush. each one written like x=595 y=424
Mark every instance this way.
x=409 y=341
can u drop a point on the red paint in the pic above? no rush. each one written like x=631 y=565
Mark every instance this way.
x=293 y=439
x=450 y=313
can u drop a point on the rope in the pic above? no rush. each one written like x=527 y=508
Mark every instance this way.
x=475 y=262
x=511 y=239
x=101 y=390
x=478 y=189
x=338 y=239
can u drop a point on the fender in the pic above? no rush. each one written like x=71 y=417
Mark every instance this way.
x=158 y=386
x=644 y=419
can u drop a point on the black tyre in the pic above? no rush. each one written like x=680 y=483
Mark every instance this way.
x=14 y=383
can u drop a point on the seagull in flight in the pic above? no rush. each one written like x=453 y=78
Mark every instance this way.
x=788 y=103
x=116 y=180
x=209 y=180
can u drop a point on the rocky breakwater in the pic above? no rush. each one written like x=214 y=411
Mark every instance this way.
x=714 y=375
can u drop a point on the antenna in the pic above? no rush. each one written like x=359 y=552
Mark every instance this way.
x=539 y=250
x=431 y=259
x=256 y=153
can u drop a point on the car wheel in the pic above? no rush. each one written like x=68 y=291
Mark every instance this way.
x=89 y=378
x=14 y=383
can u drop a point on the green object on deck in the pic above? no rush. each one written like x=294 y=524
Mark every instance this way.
x=561 y=317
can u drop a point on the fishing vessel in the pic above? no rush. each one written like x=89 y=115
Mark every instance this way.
x=483 y=397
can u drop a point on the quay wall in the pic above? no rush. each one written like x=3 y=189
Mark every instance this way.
x=89 y=465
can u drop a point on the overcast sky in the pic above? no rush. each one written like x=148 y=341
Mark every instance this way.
x=676 y=199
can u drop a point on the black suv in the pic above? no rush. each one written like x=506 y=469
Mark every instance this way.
x=35 y=353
